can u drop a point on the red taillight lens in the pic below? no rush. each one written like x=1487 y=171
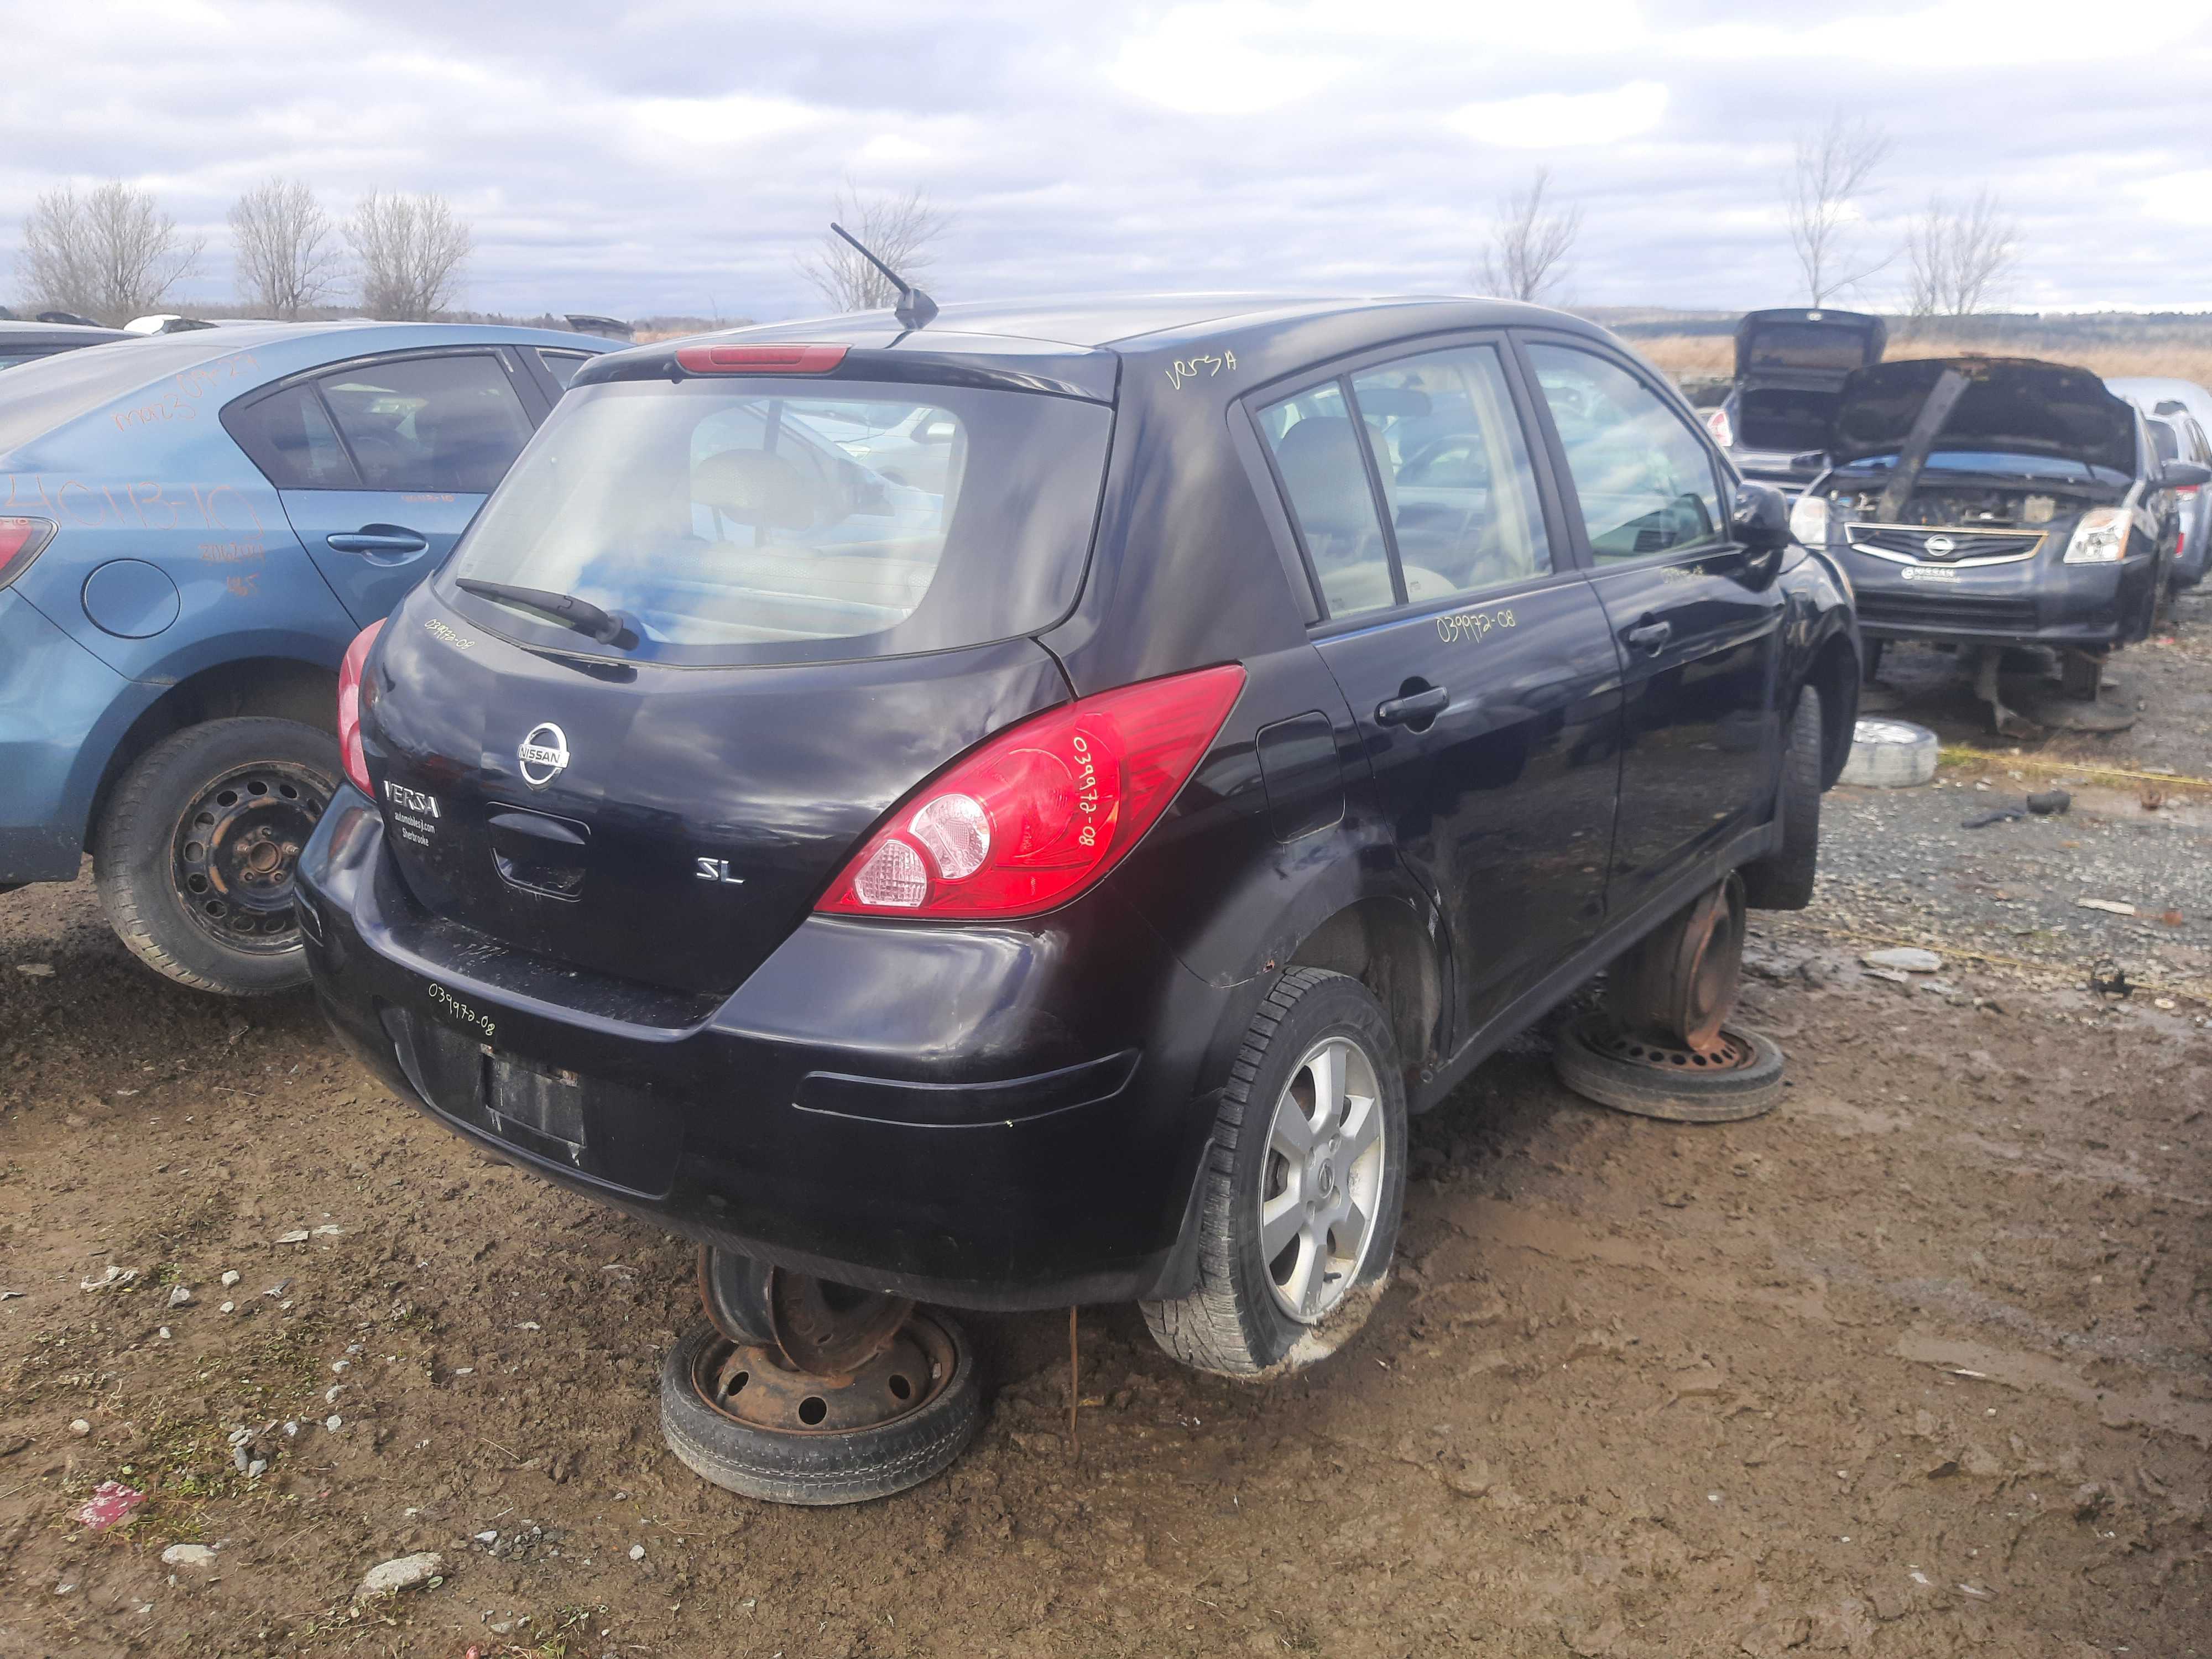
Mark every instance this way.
x=1724 y=432
x=760 y=360
x=1042 y=811
x=349 y=744
x=22 y=540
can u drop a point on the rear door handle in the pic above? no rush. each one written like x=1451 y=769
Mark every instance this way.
x=377 y=538
x=1399 y=711
x=1648 y=636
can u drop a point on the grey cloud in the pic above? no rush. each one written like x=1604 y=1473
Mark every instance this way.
x=1063 y=179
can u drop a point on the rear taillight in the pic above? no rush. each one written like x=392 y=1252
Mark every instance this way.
x=759 y=360
x=1724 y=432
x=22 y=540
x=350 y=681
x=1042 y=811
x=2187 y=492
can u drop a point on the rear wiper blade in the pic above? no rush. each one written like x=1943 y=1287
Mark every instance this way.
x=565 y=608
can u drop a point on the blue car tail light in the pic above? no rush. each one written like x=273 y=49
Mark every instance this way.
x=22 y=540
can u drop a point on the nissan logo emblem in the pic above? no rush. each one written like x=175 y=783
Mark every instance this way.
x=1940 y=547
x=543 y=753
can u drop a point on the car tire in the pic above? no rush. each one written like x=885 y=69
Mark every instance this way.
x=1652 y=1088
x=1238 y=1321
x=203 y=912
x=849 y=1465
x=1783 y=880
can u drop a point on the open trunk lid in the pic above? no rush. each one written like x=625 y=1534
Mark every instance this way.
x=792 y=600
x=1803 y=347
x=2005 y=406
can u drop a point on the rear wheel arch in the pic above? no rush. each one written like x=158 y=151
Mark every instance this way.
x=1387 y=945
x=284 y=688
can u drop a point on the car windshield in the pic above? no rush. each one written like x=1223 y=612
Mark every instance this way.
x=49 y=392
x=729 y=521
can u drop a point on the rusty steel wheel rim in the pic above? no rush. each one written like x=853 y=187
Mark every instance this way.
x=751 y=1386
x=236 y=848
x=1730 y=1051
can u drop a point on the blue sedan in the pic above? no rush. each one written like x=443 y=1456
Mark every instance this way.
x=192 y=528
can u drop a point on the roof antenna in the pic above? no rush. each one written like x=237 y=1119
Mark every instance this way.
x=914 y=309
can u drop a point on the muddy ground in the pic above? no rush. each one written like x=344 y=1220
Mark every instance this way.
x=1916 y=1365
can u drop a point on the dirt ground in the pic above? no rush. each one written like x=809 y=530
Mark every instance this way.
x=1916 y=1365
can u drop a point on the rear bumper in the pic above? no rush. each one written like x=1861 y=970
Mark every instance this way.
x=61 y=712
x=2038 y=601
x=1001 y=1118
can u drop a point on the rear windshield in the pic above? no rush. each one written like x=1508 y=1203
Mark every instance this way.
x=49 y=392
x=759 y=520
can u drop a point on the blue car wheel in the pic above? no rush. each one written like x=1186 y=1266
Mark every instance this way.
x=196 y=852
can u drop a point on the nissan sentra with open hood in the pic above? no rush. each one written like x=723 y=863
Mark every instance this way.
x=1994 y=500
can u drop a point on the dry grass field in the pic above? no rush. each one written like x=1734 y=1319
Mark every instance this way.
x=1697 y=356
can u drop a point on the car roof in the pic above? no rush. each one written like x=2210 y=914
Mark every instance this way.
x=40 y=398
x=1095 y=322
x=24 y=329
x=1072 y=344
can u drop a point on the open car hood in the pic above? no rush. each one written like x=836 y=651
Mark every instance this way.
x=2011 y=406
x=1806 y=347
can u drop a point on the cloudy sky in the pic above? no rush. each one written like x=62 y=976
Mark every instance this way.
x=673 y=155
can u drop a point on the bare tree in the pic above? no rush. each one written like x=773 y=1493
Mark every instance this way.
x=412 y=250
x=900 y=230
x=1957 y=256
x=1833 y=168
x=111 y=254
x=1529 y=246
x=286 y=247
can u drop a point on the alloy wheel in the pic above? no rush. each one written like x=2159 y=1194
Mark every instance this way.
x=1321 y=1182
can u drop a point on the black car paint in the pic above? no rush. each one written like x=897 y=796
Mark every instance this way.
x=1014 y=1115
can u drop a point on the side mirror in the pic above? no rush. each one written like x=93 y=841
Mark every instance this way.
x=1760 y=518
x=2183 y=475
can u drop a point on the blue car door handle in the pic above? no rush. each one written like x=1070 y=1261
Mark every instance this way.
x=388 y=539
x=1648 y=636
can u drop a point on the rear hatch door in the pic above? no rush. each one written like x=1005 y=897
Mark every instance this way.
x=780 y=643
x=686 y=818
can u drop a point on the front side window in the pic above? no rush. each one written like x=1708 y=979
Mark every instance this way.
x=1317 y=450
x=1455 y=470
x=1644 y=481
x=429 y=423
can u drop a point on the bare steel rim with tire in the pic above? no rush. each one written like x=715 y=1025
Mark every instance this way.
x=1322 y=1181
x=803 y=1391
x=1662 y=1046
x=236 y=851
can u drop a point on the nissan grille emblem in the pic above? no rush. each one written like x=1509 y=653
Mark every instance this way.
x=1940 y=547
x=543 y=753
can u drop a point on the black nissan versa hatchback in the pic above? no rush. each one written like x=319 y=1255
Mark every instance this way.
x=1059 y=883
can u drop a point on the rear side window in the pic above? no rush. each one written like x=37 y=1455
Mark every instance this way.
x=1457 y=472
x=1646 y=482
x=2164 y=439
x=291 y=439
x=563 y=365
x=429 y=423
x=1316 y=449
x=737 y=520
